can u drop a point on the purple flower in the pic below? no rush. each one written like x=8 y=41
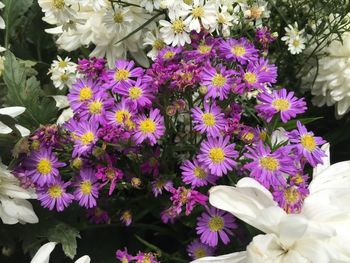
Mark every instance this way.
x=54 y=195
x=279 y=101
x=213 y=224
x=123 y=74
x=291 y=198
x=86 y=135
x=264 y=37
x=218 y=81
x=203 y=50
x=267 y=167
x=95 y=109
x=307 y=144
x=42 y=166
x=121 y=115
x=211 y=121
x=97 y=216
x=86 y=188
x=160 y=184
x=195 y=174
x=126 y=217
x=124 y=256
x=81 y=93
x=149 y=128
x=109 y=174
x=142 y=257
x=197 y=250
x=238 y=50
x=252 y=77
x=92 y=67
x=217 y=154
x=137 y=95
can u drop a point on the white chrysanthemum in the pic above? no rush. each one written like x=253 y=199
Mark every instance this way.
x=332 y=83
x=118 y=21
x=202 y=14
x=175 y=32
x=2 y=22
x=97 y=5
x=176 y=8
x=153 y=39
x=14 y=208
x=150 y=5
x=13 y=112
x=294 y=39
x=255 y=11
x=63 y=72
x=226 y=19
x=58 y=11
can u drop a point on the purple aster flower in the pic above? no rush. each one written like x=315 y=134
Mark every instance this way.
x=95 y=109
x=264 y=37
x=124 y=256
x=290 y=198
x=97 y=216
x=307 y=144
x=203 y=50
x=86 y=188
x=268 y=72
x=42 y=166
x=142 y=257
x=169 y=215
x=186 y=75
x=217 y=154
x=151 y=128
x=238 y=50
x=248 y=135
x=126 y=217
x=48 y=136
x=121 y=115
x=212 y=120
x=195 y=174
x=213 y=224
x=109 y=174
x=299 y=179
x=123 y=74
x=279 y=101
x=92 y=67
x=81 y=92
x=218 y=81
x=251 y=77
x=137 y=95
x=267 y=167
x=168 y=54
x=197 y=249
x=54 y=195
x=159 y=184
x=86 y=135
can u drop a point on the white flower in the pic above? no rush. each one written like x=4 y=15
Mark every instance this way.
x=63 y=72
x=175 y=32
x=97 y=5
x=226 y=19
x=294 y=39
x=332 y=83
x=63 y=103
x=150 y=5
x=13 y=112
x=202 y=14
x=58 y=11
x=2 y=22
x=14 y=207
x=318 y=234
x=120 y=20
x=153 y=39
x=255 y=11
x=43 y=254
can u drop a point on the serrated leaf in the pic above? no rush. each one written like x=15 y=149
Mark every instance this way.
x=27 y=93
x=67 y=236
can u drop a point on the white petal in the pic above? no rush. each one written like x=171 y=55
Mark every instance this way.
x=238 y=257
x=24 y=131
x=4 y=129
x=65 y=116
x=19 y=209
x=61 y=101
x=83 y=259
x=43 y=254
x=326 y=161
x=12 y=111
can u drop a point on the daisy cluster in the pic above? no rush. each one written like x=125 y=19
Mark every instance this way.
x=203 y=113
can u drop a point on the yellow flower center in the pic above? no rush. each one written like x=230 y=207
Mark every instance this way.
x=291 y=195
x=87 y=138
x=178 y=26
x=218 y=80
x=64 y=77
x=44 y=166
x=135 y=93
x=147 y=126
x=269 y=163
x=95 y=107
x=296 y=43
x=217 y=155
x=216 y=223
x=199 y=253
x=118 y=18
x=248 y=136
x=208 y=119
x=263 y=135
x=255 y=12
x=122 y=115
x=168 y=55
x=121 y=74
x=238 y=50
x=86 y=187
x=281 y=104
x=188 y=2
x=55 y=191
x=85 y=93
x=198 y=11
x=62 y=64
x=59 y=4
x=250 y=77
x=158 y=44
x=125 y=260
x=199 y=173
x=308 y=142
x=204 y=49
x=297 y=178
x=127 y=215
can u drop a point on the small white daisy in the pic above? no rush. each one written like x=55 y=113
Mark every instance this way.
x=58 y=11
x=119 y=20
x=202 y=14
x=175 y=32
x=63 y=72
x=294 y=39
x=153 y=39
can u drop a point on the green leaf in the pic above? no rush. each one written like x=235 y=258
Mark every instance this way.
x=293 y=123
x=27 y=93
x=14 y=9
x=67 y=236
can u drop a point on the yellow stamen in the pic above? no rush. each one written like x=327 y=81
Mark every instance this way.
x=118 y=18
x=122 y=116
x=87 y=138
x=250 y=77
x=86 y=187
x=59 y=4
x=147 y=126
x=208 y=119
x=158 y=44
x=168 y=55
x=238 y=50
x=121 y=74
x=178 y=26
x=218 y=80
x=199 y=253
x=44 y=166
x=204 y=49
x=135 y=93
x=216 y=223
x=217 y=155
x=199 y=173
x=95 y=107
x=198 y=11
x=85 y=93
x=269 y=163
x=281 y=104
x=308 y=142
x=55 y=191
